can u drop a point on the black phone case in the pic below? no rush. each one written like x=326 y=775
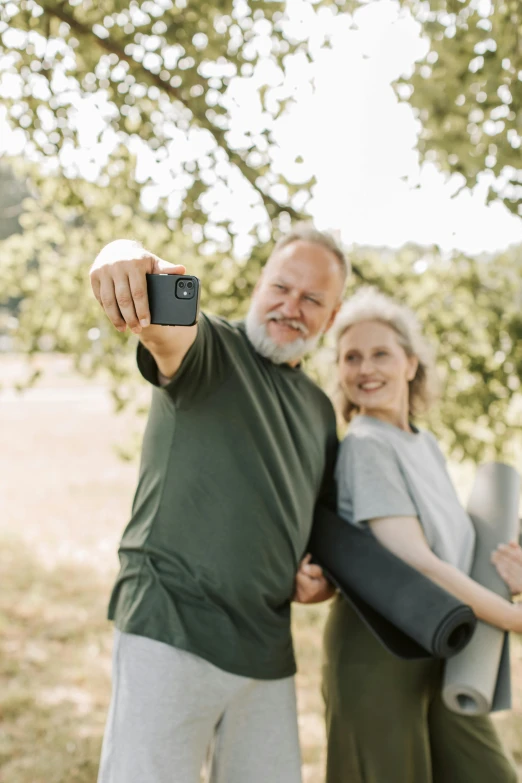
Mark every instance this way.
x=166 y=308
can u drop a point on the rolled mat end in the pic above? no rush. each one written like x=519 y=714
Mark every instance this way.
x=465 y=702
x=455 y=632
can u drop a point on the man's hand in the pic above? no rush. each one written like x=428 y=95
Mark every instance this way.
x=119 y=284
x=507 y=559
x=311 y=586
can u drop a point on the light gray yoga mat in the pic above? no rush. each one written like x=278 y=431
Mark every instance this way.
x=477 y=680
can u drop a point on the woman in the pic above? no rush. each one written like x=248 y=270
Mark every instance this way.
x=386 y=722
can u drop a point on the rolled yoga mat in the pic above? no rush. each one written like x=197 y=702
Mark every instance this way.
x=477 y=681
x=412 y=617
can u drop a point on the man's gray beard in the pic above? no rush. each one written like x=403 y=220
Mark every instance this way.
x=258 y=335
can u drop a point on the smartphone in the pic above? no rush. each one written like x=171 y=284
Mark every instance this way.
x=173 y=299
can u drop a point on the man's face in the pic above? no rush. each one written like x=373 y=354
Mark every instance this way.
x=295 y=301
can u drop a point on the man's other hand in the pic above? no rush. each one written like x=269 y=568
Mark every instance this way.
x=311 y=586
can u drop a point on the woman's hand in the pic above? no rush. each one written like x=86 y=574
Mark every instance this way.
x=516 y=625
x=311 y=586
x=507 y=559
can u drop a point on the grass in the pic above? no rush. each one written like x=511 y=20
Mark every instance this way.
x=65 y=498
x=54 y=673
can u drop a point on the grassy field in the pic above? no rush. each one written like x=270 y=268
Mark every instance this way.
x=64 y=500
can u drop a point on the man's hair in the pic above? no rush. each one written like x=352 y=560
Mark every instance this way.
x=306 y=232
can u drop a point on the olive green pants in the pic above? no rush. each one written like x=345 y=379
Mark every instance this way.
x=386 y=722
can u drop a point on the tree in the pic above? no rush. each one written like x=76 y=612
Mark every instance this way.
x=168 y=75
x=177 y=103
x=12 y=193
x=467 y=92
x=160 y=81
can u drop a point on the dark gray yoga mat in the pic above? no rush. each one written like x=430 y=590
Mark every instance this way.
x=477 y=681
x=412 y=617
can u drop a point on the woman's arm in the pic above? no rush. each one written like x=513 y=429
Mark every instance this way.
x=404 y=537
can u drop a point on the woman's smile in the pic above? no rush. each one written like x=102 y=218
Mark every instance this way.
x=371 y=386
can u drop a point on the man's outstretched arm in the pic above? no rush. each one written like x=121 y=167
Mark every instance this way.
x=119 y=283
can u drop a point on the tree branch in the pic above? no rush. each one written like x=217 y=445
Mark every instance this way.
x=272 y=206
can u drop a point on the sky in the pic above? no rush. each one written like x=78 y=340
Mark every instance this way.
x=355 y=138
x=361 y=147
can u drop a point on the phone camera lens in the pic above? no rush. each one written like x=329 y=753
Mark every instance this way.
x=190 y=284
x=181 y=284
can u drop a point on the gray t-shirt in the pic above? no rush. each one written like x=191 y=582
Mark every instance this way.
x=383 y=471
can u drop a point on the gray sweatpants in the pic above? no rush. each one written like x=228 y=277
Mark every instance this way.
x=171 y=709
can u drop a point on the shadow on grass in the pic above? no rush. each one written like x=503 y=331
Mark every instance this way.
x=55 y=649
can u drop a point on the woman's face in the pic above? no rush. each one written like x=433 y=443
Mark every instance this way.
x=374 y=369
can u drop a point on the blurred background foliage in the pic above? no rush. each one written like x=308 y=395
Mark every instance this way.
x=163 y=75
x=467 y=92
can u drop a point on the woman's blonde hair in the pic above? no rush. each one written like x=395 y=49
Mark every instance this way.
x=369 y=304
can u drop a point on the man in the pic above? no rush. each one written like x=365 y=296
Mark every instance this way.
x=237 y=448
